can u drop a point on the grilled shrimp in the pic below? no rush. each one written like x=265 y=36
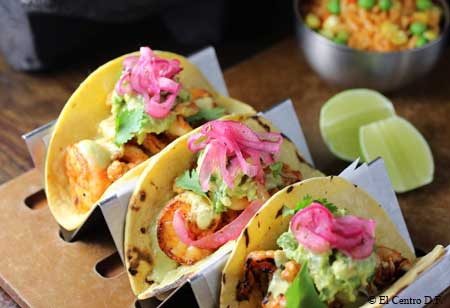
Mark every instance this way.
x=198 y=93
x=391 y=265
x=186 y=109
x=290 y=176
x=132 y=156
x=167 y=238
x=86 y=174
x=271 y=301
x=179 y=127
x=116 y=170
x=153 y=144
x=258 y=269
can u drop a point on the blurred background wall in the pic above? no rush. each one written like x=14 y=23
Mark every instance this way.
x=46 y=34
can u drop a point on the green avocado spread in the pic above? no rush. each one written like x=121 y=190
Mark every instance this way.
x=335 y=275
x=130 y=117
x=224 y=197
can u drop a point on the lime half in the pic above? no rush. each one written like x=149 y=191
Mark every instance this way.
x=343 y=114
x=405 y=152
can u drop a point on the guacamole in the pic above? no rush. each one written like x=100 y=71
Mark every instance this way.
x=223 y=197
x=335 y=275
x=128 y=111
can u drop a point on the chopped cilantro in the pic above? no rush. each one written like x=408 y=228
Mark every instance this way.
x=302 y=292
x=128 y=123
x=218 y=206
x=206 y=115
x=276 y=168
x=307 y=200
x=190 y=181
x=183 y=96
x=330 y=206
x=117 y=102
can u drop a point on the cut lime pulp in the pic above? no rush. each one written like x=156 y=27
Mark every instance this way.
x=405 y=152
x=343 y=114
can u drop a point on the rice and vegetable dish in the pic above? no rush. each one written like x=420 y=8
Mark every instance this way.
x=375 y=25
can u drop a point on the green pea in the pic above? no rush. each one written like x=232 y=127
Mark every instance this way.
x=385 y=5
x=418 y=28
x=421 y=41
x=366 y=4
x=423 y=5
x=334 y=7
x=341 y=37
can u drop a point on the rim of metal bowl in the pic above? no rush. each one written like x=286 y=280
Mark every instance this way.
x=441 y=37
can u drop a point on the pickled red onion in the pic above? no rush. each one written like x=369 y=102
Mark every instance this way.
x=232 y=146
x=317 y=229
x=216 y=239
x=151 y=77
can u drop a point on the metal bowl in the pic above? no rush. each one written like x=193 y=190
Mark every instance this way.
x=384 y=71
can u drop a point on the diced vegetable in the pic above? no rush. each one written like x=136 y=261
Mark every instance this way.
x=334 y=7
x=399 y=37
x=312 y=21
x=331 y=24
x=430 y=35
x=388 y=28
x=421 y=17
x=421 y=41
x=385 y=5
x=402 y=28
x=418 y=28
x=393 y=33
x=424 y=4
x=341 y=37
x=366 y=4
x=327 y=33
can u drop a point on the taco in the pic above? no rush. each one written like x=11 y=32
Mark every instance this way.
x=122 y=114
x=194 y=199
x=322 y=242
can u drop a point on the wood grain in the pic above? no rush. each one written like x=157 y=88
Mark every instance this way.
x=39 y=269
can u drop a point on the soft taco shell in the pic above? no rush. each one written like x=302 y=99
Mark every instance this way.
x=268 y=224
x=79 y=120
x=154 y=190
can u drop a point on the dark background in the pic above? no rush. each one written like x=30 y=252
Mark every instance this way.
x=51 y=35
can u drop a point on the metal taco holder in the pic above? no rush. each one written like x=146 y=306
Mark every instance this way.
x=38 y=139
x=371 y=177
x=204 y=287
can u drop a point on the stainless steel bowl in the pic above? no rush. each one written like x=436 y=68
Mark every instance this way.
x=384 y=71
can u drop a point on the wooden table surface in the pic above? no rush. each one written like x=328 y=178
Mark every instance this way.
x=28 y=101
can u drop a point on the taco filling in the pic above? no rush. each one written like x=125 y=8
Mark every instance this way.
x=149 y=108
x=235 y=171
x=326 y=259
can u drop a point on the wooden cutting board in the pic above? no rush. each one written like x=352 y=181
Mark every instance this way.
x=39 y=269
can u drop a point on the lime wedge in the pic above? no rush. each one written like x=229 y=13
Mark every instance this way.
x=406 y=153
x=343 y=114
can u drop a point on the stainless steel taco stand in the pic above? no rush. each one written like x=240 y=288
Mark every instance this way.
x=37 y=140
x=43 y=265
